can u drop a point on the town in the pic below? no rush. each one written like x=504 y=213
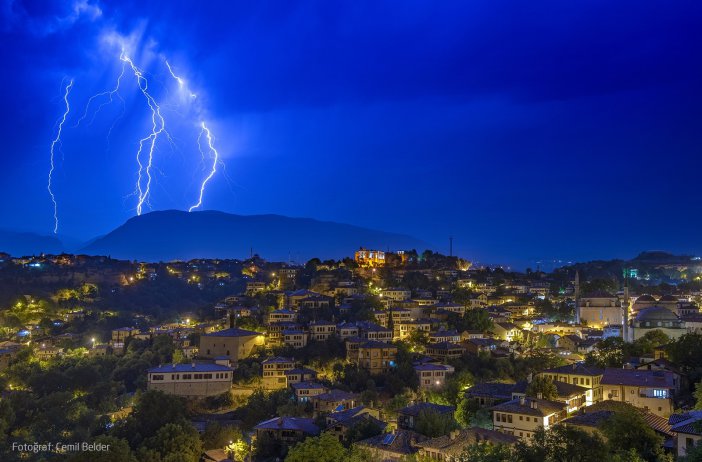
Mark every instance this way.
x=393 y=356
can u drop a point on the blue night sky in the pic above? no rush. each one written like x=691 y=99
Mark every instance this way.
x=527 y=130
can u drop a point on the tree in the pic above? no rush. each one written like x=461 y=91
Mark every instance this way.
x=432 y=424
x=153 y=410
x=217 y=436
x=610 y=353
x=698 y=395
x=324 y=448
x=543 y=387
x=486 y=452
x=477 y=320
x=366 y=428
x=174 y=442
x=627 y=430
x=562 y=444
x=118 y=451
x=686 y=352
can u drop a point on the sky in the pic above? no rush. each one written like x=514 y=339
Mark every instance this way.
x=528 y=131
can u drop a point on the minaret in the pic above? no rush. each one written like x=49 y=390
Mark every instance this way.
x=625 y=307
x=577 y=297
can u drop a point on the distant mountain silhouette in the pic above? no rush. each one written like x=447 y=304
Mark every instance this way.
x=19 y=244
x=178 y=235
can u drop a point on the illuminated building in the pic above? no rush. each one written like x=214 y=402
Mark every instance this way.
x=191 y=380
x=370 y=258
x=374 y=258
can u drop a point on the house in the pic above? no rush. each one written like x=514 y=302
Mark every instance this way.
x=471 y=334
x=371 y=331
x=191 y=380
x=591 y=419
x=392 y=447
x=339 y=423
x=400 y=315
x=444 y=336
x=120 y=336
x=448 y=448
x=455 y=308
x=663 y=364
x=578 y=374
x=332 y=401
x=300 y=374
x=293 y=299
x=574 y=397
x=376 y=357
x=481 y=301
x=346 y=330
x=432 y=376
x=648 y=389
x=274 y=372
x=305 y=390
x=233 y=342
x=488 y=394
x=482 y=345
x=46 y=352
x=295 y=338
x=189 y=351
x=282 y=315
x=381 y=317
x=570 y=342
x=688 y=429
x=405 y=329
x=316 y=302
x=507 y=331
x=321 y=330
x=274 y=334
x=396 y=293
x=286 y=431
x=254 y=287
x=444 y=351
x=522 y=416
x=407 y=416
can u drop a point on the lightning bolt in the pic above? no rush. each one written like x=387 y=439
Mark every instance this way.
x=181 y=82
x=210 y=141
x=215 y=161
x=110 y=94
x=56 y=141
x=158 y=126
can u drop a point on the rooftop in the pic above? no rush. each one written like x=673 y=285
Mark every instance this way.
x=637 y=378
x=194 y=367
x=415 y=409
x=232 y=332
x=454 y=443
x=302 y=424
x=543 y=407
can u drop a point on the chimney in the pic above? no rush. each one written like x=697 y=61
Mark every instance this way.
x=522 y=400
x=533 y=404
x=453 y=435
x=530 y=377
x=193 y=364
x=540 y=395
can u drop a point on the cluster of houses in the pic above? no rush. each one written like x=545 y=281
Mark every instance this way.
x=585 y=396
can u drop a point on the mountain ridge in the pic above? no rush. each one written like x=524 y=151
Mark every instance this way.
x=214 y=234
